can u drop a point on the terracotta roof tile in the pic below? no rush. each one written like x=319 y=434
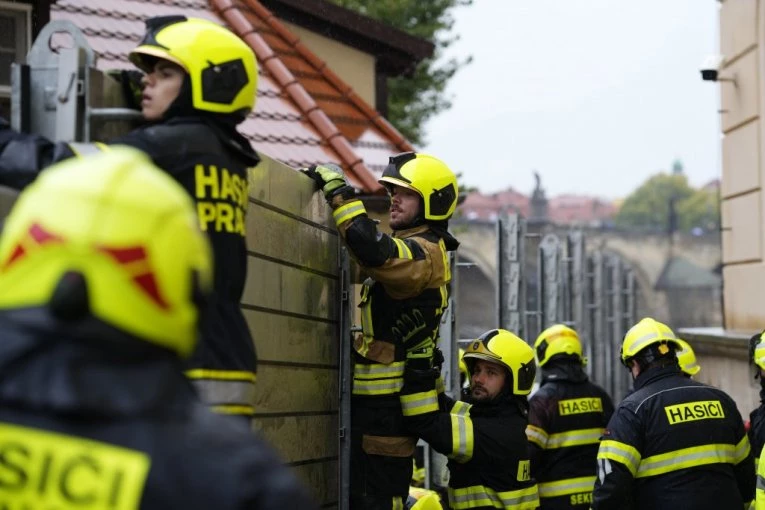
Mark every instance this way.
x=305 y=114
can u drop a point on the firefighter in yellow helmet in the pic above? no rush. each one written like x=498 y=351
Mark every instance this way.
x=686 y=358
x=567 y=416
x=757 y=416
x=674 y=442
x=484 y=436
x=402 y=301
x=103 y=278
x=200 y=81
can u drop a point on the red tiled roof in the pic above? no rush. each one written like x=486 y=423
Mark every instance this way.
x=487 y=207
x=562 y=209
x=305 y=113
x=565 y=209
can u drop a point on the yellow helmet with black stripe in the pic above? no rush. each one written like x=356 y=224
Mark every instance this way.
x=508 y=350
x=555 y=340
x=222 y=68
x=648 y=333
x=112 y=237
x=429 y=177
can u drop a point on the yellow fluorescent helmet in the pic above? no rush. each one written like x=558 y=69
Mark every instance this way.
x=757 y=350
x=428 y=176
x=221 y=66
x=463 y=368
x=557 y=339
x=504 y=348
x=644 y=334
x=686 y=358
x=424 y=499
x=128 y=228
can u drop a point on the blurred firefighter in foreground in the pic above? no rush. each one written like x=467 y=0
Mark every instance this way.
x=402 y=301
x=674 y=442
x=567 y=416
x=200 y=83
x=484 y=437
x=104 y=275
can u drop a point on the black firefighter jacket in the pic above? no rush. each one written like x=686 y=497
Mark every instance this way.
x=567 y=416
x=674 y=443
x=757 y=426
x=485 y=443
x=97 y=422
x=211 y=163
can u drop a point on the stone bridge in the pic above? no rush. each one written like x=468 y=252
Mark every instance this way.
x=686 y=303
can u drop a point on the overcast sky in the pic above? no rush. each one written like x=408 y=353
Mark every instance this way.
x=597 y=95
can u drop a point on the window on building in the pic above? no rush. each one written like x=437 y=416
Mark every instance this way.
x=15 y=34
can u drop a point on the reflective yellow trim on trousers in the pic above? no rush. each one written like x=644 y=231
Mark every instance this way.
x=419 y=403
x=566 y=487
x=536 y=435
x=397 y=504
x=574 y=438
x=479 y=496
x=462 y=438
x=686 y=458
x=377 y=386
x=621 y=453
x=348 y=211
x=378 y=370
x=403 y=250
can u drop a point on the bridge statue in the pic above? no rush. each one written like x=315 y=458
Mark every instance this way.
x=538 y=208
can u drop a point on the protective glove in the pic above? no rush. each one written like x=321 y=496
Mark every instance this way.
x=408 y=325
x=132 y=87
x=408 y=332
x=329 y=179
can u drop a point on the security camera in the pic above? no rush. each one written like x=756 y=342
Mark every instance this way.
x=710 y=69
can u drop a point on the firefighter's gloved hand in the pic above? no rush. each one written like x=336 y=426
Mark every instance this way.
x=329 y=179
x=132 y=87
x=408 y=325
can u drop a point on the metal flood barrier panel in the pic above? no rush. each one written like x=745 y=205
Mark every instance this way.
x=296 y=302
x=544 y=279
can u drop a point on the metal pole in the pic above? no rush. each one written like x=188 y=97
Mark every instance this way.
x=549 y=256
x=599 y=339
x=345 y=380
x=578 y=276
x=510 y=304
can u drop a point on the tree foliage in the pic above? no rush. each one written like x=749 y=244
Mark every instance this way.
x=412 y=100
x=663 y=196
